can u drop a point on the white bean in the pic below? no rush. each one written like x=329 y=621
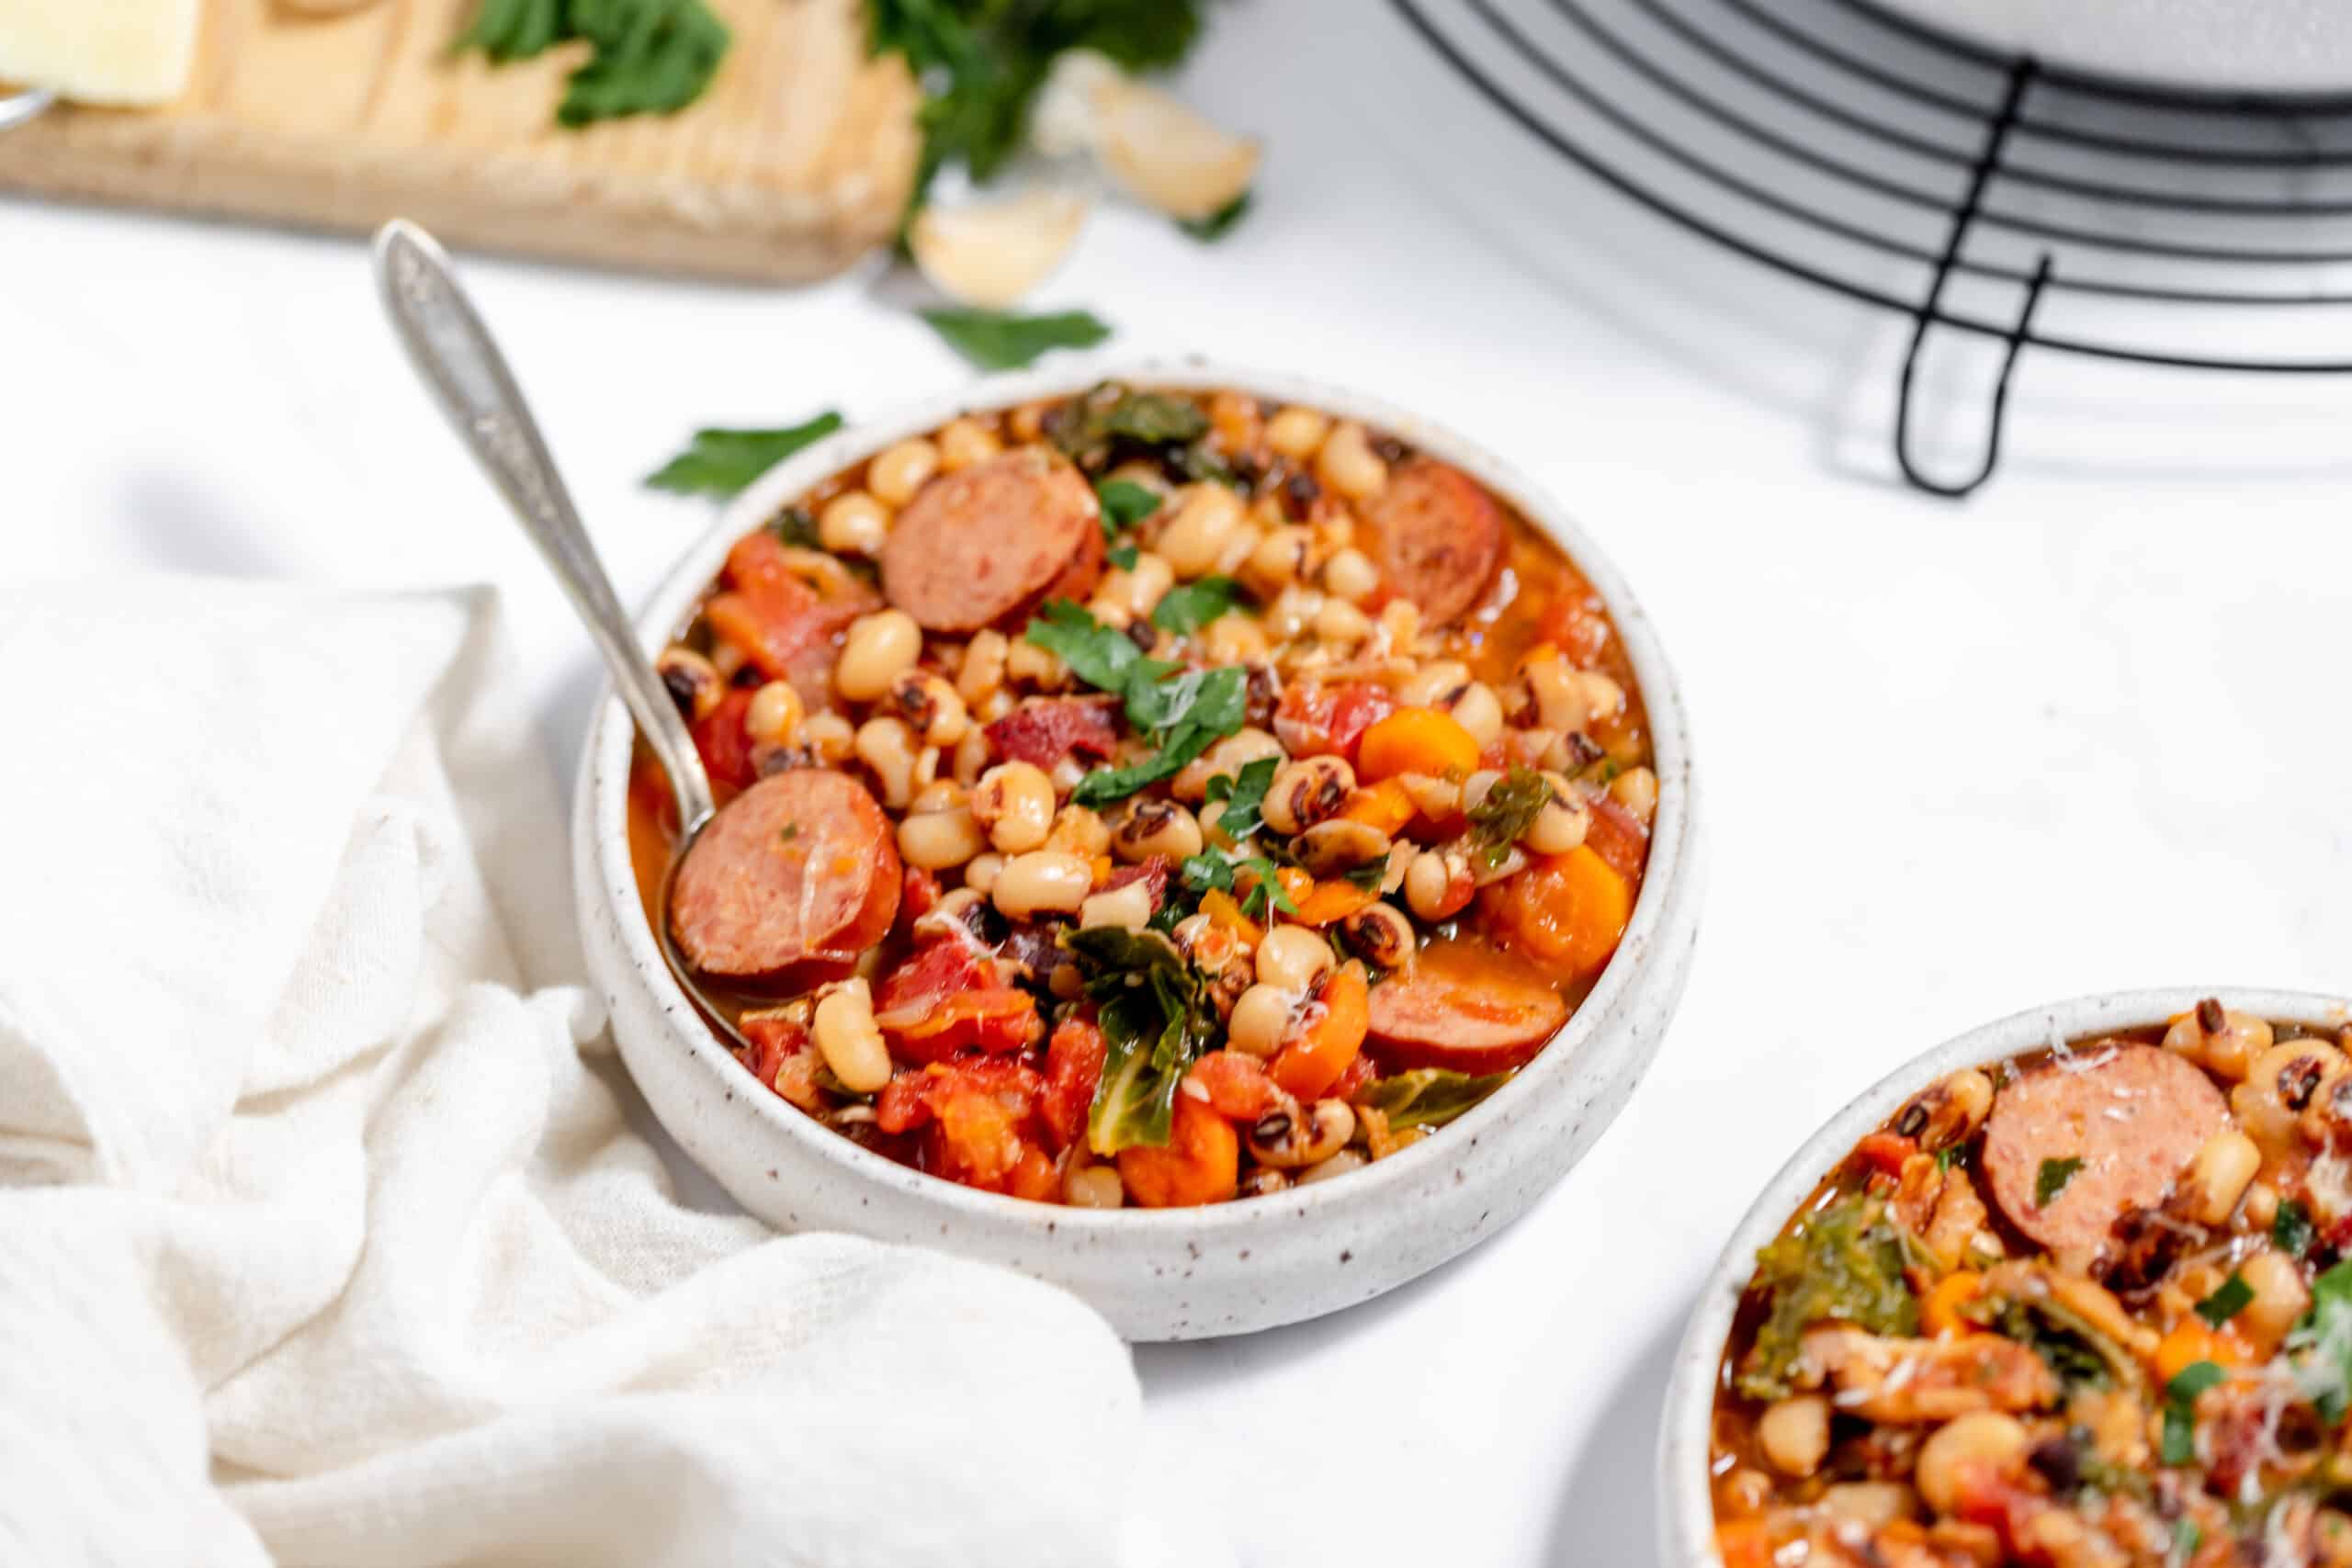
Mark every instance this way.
x=879 y=648
x=1042 y=882
x=846 y=1037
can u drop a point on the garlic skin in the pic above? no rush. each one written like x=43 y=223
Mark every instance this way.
x=991 y=255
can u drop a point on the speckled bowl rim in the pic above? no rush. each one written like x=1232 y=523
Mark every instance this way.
x=1670 y=876
x=1686 y=1505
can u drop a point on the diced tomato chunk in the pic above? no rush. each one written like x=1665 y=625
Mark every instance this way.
x=986 y=1116
x=780 y=1055
x=783 y=626
x=725 y=744
x=1357 y=1078
x=1329 y=719
x=1047 y=729
x=1578 y=625
x=1236 y=1084
x=1073 y=1073
x=1618 y=836
x=922 y=893
x=1199 y=1163
x=1886 y=1152
x=1153 y=871
x=904 y=1103
x=948 y=997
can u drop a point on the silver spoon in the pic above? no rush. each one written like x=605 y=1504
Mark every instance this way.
x=454 y=353
x=18 y=107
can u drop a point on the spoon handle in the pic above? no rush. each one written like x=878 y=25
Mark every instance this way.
x=453 y=352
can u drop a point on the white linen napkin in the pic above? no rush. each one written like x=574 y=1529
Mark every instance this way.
x=323 y=1235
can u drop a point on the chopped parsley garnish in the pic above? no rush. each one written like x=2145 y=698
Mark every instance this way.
x=1182 y=712
x=1125 y=503
x=1220 y=223
x=1243 y=795
x=791 y=832
x=1124 y=557
x=2322 y=1344
x=1089 y=429
x=1428 y=1096
x=1947 y=1156
x=1367 y=876
x=2290 y=1228
x=2051 y=1178
x=725 y=462
x=1841 y=1263
x=1209 y=871
x=2226 y=1301
x=648 y=56
x=2186 y=1538
x=1511 y=806
x=2180 y=1409
x=1002 y=340
x=1185 y=610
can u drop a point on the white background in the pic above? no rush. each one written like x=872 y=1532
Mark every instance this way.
x=2088 y=731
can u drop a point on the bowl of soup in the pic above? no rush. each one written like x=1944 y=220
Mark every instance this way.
x=1216 y=842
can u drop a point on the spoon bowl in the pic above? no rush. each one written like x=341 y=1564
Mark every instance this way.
x=459 y=363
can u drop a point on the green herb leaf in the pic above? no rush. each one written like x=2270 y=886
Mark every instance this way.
x=2180 y=1409
x=2053 y=1178
x=725 y=462
x=1842 y=1262
x=1185 y=610
x=1428 y=1096
x=1206 y=872
x=1185 y=716
x=1947 y=1156
x=1266 y=893
x=2290 y=1228
x=1511 y=807
x=2320 y=1344
x=1125 y=557
x=1244 y=795
x=1125 y=503
x=1091 y=430
x=1220 y=223
x=791 y=831
x=982 y=61
x=1155 y=1021
x=650 y=56
x=1096 y=654
x=2226 y=1301
x=1000 y=340
x=2187 y=1537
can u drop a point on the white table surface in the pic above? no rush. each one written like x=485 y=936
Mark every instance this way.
x=2089 y=731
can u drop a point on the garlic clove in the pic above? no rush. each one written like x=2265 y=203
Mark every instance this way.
x=1166 y=154
x=991 y=253
x=1065 y=121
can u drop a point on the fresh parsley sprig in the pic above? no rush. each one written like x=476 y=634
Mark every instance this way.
x=650 y=56
x=1182 y=712
x=1005 y=340
x=725 y=462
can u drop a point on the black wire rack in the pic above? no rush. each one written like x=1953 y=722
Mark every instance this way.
x=1963 y=189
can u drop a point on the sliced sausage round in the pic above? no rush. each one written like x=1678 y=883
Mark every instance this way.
x=2071 y=1147
x=975 y=546
x=801 y=866
x=1464 y=1005
x=1437 y=536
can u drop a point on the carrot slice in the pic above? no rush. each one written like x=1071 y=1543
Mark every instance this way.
x=1417 y=740
x=1311 y=1064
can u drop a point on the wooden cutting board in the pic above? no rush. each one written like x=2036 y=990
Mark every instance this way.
x=794 y=164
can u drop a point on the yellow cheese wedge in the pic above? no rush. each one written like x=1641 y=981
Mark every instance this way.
x=99 y=51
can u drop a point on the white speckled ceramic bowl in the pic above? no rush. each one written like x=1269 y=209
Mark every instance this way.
x=1686 y=1507
x=1174 y=1274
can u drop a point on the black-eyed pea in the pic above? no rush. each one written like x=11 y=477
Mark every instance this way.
x=1139 y=588
x=853 y=524
x=1013 y=803
x=1476 y=788
x=1795 y=1433
x=846 y=1036
x=1339 y=1164
x=1207 y=516
x=1869 y=1505
x=1433 y=798
x=1238 y=549
x=1291 y=957
x=1947 y=1110
x=981 y=872
x=1027 y=421
x=1156 y=826
x=971 y=756
x=930 y=706
x=1555 y=693
x=1293 y=1136
x=1067 y=772
x=1093 y=1187
x=878 y=649
x=1380 y=935
x=1037 y=667
x=2224 y=1041
x=1079 y=830
x=1635 y=789
x=1263 y=1181
x=1260 y=1018
x=966 y=443
x=900 y=470
x=982 y=672
x=2293 y=1079
x=1561 y=824
x=1336 y=847
x=1435 y=684
x=938 y=841
x=1476 y=709
x=1350 y=576
x=1981 y=1441
x=727 y=659
x=888 y=749
x=1347 y=464
x=1305 y=792
x=829 y=736
x=1341 y=624
x=2220 y=1174
x=693 y=683
x=1439 y=885
x=1234 y=639
x=1127 y=906
x=1297 y=433
x=1277 y=560
x=1109 y=611
x=1604 y=699
x=2261 y=1205
x=1042 y=883
x=2280 y=1299
x=773 y=715
x=1292 y=610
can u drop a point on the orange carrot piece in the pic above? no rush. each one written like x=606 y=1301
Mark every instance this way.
x=1417 y=740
